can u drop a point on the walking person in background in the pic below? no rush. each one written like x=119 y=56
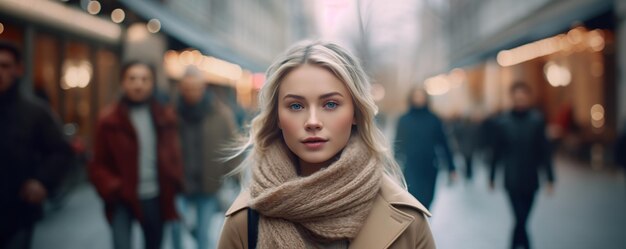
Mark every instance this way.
x=207 y=126
x=421 y=147
x=521 y=147
x=322 y=175
x=466 y=132
x=137 y=168
x=34 y=154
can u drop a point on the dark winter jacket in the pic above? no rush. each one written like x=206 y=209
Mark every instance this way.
x=521 y=147
x=421 y=147
x=32 y=146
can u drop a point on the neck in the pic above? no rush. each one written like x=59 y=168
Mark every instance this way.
x=520 y=110
x=418 y=108
x=10 y=93
x=307 y=169
x=132 y=103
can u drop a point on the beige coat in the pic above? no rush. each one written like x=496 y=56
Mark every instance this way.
x=397 y=221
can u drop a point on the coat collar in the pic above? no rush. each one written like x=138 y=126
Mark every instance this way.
x=384 y=222
x=118 y=115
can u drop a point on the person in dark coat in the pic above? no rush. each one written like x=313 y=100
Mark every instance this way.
x=207 y=126
x=137 y=167
x=521 y=147
x=34 y=154
x=466 y=132
x=421 y=147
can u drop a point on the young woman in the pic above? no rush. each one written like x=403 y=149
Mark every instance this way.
x=322 y=175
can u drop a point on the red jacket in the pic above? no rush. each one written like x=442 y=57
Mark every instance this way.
x=114 y=169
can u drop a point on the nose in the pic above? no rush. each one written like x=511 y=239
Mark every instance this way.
x=313 y=123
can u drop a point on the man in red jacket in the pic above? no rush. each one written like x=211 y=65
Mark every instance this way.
x=137 y=168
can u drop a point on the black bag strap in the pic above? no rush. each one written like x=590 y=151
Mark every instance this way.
x=253 y=228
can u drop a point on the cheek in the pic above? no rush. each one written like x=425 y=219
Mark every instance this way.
x=147 y=86
x=126 y=87
x=342 y=122
x=287 y=123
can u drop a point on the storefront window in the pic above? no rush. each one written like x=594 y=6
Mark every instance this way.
x=107 y=72
x=77 y=83
x=46 y=70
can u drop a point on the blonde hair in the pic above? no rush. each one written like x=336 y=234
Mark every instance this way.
x=264 y=130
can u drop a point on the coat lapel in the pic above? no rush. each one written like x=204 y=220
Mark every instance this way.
x=382 y=226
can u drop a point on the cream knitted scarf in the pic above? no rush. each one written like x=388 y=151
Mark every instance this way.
x=329 y=205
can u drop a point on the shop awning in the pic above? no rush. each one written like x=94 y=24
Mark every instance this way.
x=60 y=16
x=552 y=18
x=191 y=34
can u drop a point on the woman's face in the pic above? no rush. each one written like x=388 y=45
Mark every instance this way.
x=137 y=83
x=315 y=113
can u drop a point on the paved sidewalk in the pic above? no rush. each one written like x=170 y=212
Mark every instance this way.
x=587 y=210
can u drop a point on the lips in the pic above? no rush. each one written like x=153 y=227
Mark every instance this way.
x=314 y=143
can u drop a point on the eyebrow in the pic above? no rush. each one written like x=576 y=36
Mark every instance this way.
x=323 y=96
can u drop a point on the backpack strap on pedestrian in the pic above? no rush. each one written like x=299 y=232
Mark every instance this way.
x=253 y=228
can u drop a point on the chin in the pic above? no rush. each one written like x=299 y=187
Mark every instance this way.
x=314 y=159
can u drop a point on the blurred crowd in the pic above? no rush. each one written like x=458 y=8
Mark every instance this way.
x=154 y=158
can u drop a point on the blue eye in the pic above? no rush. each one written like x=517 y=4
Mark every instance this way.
x=331 y=105
x=295 y=107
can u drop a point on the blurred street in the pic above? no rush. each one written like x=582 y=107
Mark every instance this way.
x=80 y=223
x=135 y=103
x=587 y=210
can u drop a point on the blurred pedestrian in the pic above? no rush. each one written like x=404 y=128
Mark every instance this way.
x=421 y=147
x=34 y=154
x=137 y=168
x=522 y=148
x=207 y=126
x=322 y=176
x=466 y=132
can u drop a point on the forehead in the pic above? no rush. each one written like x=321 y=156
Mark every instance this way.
x=311 y=81
x=138 y=69
x=418 y=93
x=190 y=81
x=520 y=92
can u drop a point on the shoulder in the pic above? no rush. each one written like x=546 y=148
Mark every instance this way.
x=169 y=112
x=33 y=106
x=235 y=230
x=39 y=114
x=398 y=197
x=109 y=115
x=502 y=118
x=403 y=121
x=537 y=116
x=417 y=233
x=240 y=203
x=164 y=115
x=396 y=220
x=405 y=117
